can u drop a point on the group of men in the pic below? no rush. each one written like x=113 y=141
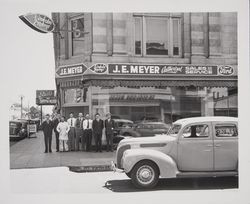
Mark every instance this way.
x=80 y=133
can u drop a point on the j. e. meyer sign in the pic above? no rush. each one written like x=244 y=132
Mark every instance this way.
x=162 y=69
x=71 y=70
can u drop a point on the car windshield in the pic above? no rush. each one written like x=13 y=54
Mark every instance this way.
x=174 y=130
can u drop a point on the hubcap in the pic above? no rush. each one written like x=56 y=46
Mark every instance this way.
x=145 y=174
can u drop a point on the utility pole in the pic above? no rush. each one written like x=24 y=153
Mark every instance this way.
x=21 y=97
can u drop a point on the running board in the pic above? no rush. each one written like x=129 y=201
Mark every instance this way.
x=206 y=174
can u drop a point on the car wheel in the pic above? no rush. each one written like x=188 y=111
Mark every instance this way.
x=145 y=174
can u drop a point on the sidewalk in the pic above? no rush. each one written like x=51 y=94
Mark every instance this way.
x=29 y=153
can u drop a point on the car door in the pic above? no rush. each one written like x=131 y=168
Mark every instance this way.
x=225 y=146
x=195 y=148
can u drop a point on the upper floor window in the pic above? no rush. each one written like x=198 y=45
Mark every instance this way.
x=76 y=42
x=158 y=35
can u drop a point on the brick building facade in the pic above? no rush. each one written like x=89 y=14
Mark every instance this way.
x=163 y=66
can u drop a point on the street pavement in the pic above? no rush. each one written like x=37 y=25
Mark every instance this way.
x=29 y=153
x=61 y=180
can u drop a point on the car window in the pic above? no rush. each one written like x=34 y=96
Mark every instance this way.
x=226 y=130
x=174 y=130
x=196 y=131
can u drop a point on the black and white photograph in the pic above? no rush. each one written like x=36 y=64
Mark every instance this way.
x=126 y=102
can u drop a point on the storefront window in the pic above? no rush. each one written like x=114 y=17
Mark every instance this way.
x=77 y=36
x=75 y=96
x=152 y=104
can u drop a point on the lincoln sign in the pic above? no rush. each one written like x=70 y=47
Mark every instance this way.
x=38 y=22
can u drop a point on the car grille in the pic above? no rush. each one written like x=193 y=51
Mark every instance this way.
x=119 y=154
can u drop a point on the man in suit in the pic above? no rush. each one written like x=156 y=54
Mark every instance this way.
x=47 y=128
x=56 y=121
x=97 y=132
x=109 y=130
x=71 y=134
x=79 y=131
x=87 y=131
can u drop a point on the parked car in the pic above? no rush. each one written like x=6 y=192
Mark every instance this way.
x=145 y=129
x=18 y=129
x=193 y=147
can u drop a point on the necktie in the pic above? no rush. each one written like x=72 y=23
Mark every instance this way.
x=71 y=122
x=80 y=123
x=88 y=125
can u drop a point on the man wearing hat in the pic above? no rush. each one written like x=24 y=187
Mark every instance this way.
x=47 y=127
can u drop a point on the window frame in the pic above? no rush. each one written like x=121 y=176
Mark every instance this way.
x=170 y=18
x=195 y=138
x=70 y=46
x=225 y=124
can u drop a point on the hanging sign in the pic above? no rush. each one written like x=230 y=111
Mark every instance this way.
x=38 y=22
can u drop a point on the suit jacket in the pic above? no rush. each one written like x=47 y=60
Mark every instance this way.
x=97 y=126
x=109 y=125
x=78 y=123
x=47 y=128
x=55 y=123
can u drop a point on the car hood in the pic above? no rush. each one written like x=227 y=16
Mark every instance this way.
x=142 y=140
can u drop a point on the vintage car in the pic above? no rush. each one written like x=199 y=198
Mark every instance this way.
x=18 y=129
x=193 y=147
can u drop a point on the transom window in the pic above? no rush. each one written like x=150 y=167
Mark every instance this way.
x=196 y=131
x=157 y=35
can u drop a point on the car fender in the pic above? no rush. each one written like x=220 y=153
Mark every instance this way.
x=166 y=164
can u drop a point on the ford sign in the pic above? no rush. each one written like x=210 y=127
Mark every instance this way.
x=38 y=22
x=225 y=70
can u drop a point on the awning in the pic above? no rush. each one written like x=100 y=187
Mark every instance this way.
x=149 y=82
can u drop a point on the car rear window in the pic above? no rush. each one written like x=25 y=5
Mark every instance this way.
x=226 y=130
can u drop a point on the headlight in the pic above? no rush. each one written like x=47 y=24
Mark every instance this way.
x=23 y=130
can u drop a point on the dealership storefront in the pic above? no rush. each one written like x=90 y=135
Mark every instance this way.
x=153 y=91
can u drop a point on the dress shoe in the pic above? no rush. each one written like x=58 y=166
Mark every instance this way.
x=45 y=151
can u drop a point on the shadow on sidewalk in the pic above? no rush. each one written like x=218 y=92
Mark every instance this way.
x=176 y=184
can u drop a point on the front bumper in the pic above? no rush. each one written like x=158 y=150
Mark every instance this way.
x=115 y=169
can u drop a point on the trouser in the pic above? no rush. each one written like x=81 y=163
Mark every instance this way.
x=57 y=140
x=71 y=141
x=47 y=141
x=83 y=141
x=88 y=136
x=98 y=141
x=109 y=137
x=79 y=133
x=63 y=145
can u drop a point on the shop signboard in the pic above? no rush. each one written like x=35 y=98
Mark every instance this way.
x=163 y=69
x=71 y=70
x=45 y=97
x=38 y=22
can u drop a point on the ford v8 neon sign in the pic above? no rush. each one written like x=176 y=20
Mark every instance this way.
x=38 y=22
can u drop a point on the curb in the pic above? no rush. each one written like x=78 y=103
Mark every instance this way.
x=93 y=168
